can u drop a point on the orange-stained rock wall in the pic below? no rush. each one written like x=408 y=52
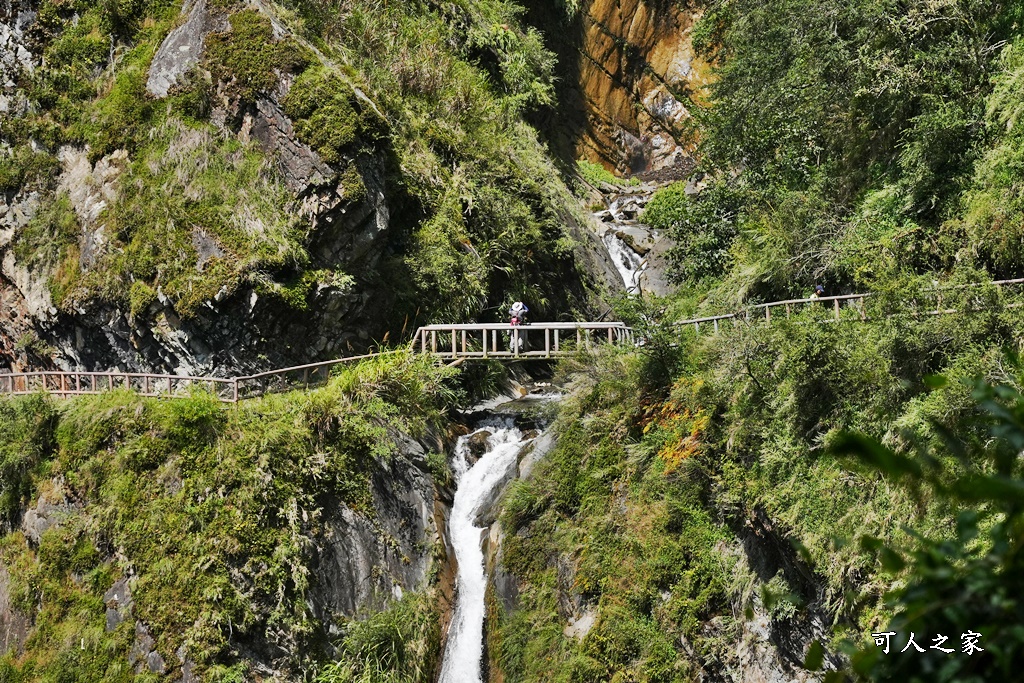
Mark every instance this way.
x=627 y=73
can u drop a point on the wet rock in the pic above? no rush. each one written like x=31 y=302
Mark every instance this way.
x=637 y=238
x=477 y=446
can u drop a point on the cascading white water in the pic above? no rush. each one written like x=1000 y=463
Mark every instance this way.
x=478 y=486
x=627 y=262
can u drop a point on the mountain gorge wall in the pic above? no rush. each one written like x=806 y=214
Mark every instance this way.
x=628 y=74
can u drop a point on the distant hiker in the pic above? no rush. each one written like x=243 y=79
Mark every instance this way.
x=518 y=313
x=819 y=292
x=517 y=339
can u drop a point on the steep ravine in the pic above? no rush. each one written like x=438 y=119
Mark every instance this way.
x=503 y=446
x=342 y=278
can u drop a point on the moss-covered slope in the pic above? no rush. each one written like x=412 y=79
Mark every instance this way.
x=147 y=540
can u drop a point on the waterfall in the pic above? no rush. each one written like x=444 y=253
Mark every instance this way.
x=627 y=262
x=477 y=490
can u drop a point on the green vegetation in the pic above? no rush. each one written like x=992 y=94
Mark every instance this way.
x=24 y=166
x=703 y=482
x=607 y=519
x=210 y=511
x=451 y=83
x=429 y=100
x=401 y=644
x=972 y=578
x=596 y=174
x=248 y=57
x=681 y=470
x=858 y=141
x=703 y=228
x=322 y=105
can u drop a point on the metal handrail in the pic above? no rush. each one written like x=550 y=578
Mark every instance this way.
x=836 y=300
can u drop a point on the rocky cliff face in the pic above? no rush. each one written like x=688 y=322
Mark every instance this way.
x=351 y=217
x=629 y=73
x=355 y=563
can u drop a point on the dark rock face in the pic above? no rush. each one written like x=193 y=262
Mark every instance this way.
x=13 y=624
x=143 y=654
x=776 y=648
x=119 y=603
x=364 y=562
x=302 y=169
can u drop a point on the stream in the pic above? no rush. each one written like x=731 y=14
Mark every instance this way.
x=478 y=487
x=630 y=244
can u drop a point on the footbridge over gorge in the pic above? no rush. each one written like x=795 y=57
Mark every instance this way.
x=499 y=341
x=446 y=342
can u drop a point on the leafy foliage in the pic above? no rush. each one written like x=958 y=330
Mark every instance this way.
x=850 y=132
x=969 y=582
x=702 y=228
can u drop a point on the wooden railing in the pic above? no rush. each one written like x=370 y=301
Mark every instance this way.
x=66 y=383
x=499 y=340
x=465 y=341
x=789 y=306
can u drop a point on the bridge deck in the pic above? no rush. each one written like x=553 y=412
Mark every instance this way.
x=495 y=340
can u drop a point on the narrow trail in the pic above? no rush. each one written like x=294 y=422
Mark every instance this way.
x=459 y=341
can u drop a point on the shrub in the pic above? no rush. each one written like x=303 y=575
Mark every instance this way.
x=702 y=227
